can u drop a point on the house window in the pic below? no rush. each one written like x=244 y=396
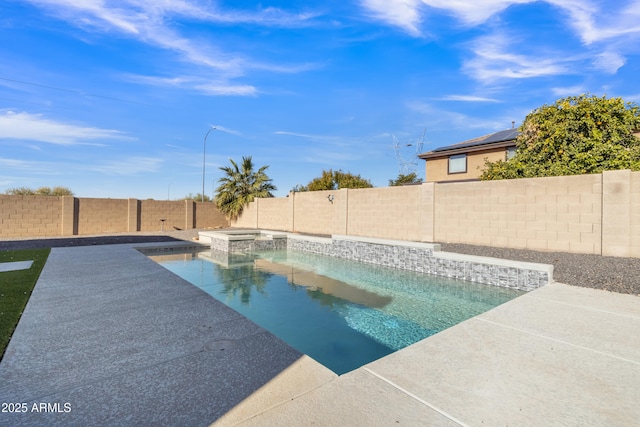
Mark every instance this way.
x=458 y=163
x=511 y=151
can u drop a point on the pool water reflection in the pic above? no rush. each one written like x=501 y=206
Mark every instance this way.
x=341 y=313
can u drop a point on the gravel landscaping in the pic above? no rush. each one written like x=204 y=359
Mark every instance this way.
x=613 y=274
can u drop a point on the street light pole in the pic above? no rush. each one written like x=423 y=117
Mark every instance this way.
x=204 y=155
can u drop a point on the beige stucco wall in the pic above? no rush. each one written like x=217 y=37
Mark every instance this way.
x=437 y=170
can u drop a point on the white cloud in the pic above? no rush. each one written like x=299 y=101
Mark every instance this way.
x=149 y=22
x=34 y=127
x=568 y=91
x=18 y=164
x=468 y=98
x=299 y=135
x=217 y=88
x=331 y=150
x=609 y=62
x=330 y=158
x=407 y=14
x=473 y=12
x=220 y=128
x=400 y=13
x=20 y=171
x=227 y=89
x=435 y=118
x=130 y=166
x=592 y=20
x=594 y=23
x=494 y=59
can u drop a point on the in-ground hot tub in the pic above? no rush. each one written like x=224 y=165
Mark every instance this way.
x=244 y=240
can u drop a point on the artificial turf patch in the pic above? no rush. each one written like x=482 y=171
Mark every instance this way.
x=15 y=289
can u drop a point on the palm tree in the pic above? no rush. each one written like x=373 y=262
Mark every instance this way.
x=240 y=186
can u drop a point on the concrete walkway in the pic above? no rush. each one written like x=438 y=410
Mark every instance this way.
x=560 y=355
x=109 y=337
x=124 y=342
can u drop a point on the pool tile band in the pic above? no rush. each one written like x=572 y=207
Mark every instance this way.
x=413 y=256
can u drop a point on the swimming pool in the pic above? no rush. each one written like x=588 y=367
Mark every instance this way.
x=343 y=314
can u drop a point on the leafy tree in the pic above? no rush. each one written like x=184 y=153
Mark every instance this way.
x=20 y=191
x=334 y=180
x=240 y=186
x=576 y=135
x=402 y=179
x=197 y=197
x=42 y=191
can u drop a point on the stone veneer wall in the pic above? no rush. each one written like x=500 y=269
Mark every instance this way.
x=419 y=257
x=248 y=245
x=514 y=275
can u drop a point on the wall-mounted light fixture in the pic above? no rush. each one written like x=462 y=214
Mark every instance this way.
x=330 y=197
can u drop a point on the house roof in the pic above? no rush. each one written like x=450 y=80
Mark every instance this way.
x=503 y=135
x=501 y=138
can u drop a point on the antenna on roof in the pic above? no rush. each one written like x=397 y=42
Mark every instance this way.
x=407 y=153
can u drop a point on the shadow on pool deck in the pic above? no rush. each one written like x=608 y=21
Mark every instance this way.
x=126 y=342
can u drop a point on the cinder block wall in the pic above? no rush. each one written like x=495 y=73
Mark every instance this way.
x=249 y=216
x=555 y=214
x=597 y=214
x=593 y=214
x=320 y=212
x=42 y=216
x=274 y=213
x=24 y=216
x=208 y=215
x=621 y=213
x=152 y=211
x=97 y=216
x=634 y=216
x=387 y=212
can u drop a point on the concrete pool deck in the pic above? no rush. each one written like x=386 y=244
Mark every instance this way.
x=123 y=341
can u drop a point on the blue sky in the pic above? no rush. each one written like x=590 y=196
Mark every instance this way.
x=114 y=98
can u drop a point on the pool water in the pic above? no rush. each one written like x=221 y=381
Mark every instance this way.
x=341 y=313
